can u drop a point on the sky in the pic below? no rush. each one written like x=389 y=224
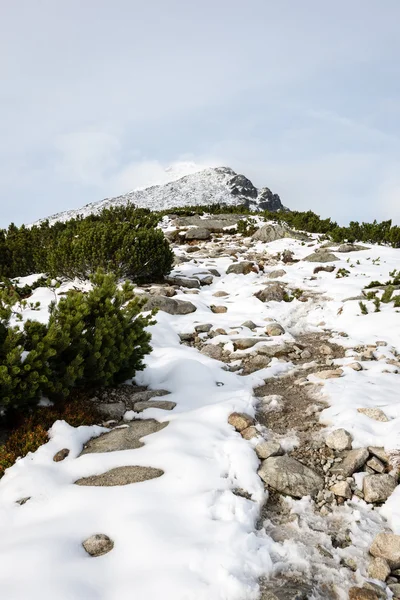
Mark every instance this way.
x=99 y=97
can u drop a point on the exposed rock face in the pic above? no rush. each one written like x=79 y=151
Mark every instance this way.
x=240 y=268
x=387 y=546
x=377 y=488
x=289 y=476
x=98 y=544
x=339 y=440
x=269 y=201
x=123 y=438
x=121 y=476
x=169 y=305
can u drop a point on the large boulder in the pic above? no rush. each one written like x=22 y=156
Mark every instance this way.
x=353 y=461
x=198 y=233
x=275 y=231
x=272 y=292
x=123 y=438
x=181 y=280
x=240 y=268
x=289 y=476
x=321 y=257
x=169 y=305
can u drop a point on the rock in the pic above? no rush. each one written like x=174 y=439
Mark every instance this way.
x=215 y=272
x=387 y=546
x=276 y=274
x=353 y=461
x=380 y=592
x=198 y=233
x=342 y=489
x=266 y=449
x=339 y=440
x=144 y=396
x=379 y=569
x=358 y=593
x=350 y=248
x=206 y=279
x=240 y=421
x=285 y=591
x=241 y=268
x=249 y=433
x=255 y=363
x=379 y=453
x=23 y=501
x=374 y=413
x=327 y=269
x=192 y=249
x=112 y=410
x=166 y=290
x=61 y=455
x=274 y=329
x=204 y=328
x=375 y=464
x=356 y=366
x=220 y=294
x=187 y=282
x=395 y=589
x=245 y=343
x=121 y=476
x=289 y=476
x=321 y=257
x=218 y=309
x=273 y=292
x=249 y=325
x=161 y=404
x=377 y=488
x=325 y=350
x=169 y=305
x=98 y=544
x=212 y=351
x=329 y=374
x=271 y=232
x=123 y=438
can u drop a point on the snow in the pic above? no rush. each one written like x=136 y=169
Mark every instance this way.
x=186 y=535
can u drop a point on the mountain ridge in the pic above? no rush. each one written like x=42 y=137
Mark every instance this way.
x=211 y=185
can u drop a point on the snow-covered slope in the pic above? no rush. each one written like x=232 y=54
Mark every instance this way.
x=207 y=186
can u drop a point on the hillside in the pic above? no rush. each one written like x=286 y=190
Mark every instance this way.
x=219 y=185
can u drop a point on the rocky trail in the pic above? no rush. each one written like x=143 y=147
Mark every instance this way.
x=262 y=438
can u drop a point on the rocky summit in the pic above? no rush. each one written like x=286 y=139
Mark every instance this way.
x=214 y=185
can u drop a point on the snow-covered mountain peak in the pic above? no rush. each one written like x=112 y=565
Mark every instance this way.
x=198 y=187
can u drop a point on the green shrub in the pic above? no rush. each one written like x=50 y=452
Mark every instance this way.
x=96 y=338
x=363 y=308
x=387 y=294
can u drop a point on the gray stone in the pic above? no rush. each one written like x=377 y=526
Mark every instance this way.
x=276 y=274
x=353 y=461
x=358 y=593
x=271 y=232
x=350 y=248
x=249 y=325
x=212 y=351
x=162 y=404
x=266 y=449
x=169 y=305
x=285 y=591
x=288 y=476
x=165 y=290
x=375 y=464
x=341 y=489
x=220 y=294
x=218 y=309
x=374 y=413
x=377 y=488
x=272 y=292
x=123 y=438
x=188 y=282
x=339 y=440
x=98 y=544
x=249 y=433
x=255 y=363
x=198 y=233
x=387 y=546
x=240 y=268
x=329 y=374
x=245 y=343
x=381 y=593
x=274 y=329
x=121 y=476
x=327 y=269
x=204 y=328
x=395 y=589
x=112 y=410
x=321 y=257
x=379 y=453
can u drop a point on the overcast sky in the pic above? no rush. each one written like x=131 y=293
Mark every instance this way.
x=99 y=96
